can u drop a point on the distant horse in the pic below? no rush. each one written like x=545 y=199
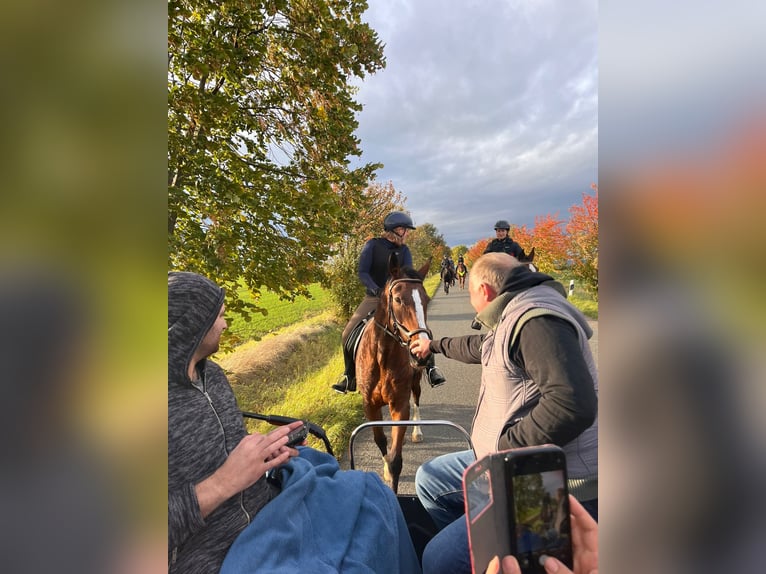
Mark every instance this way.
x=461 y=271
x=448 y=278
x=386 y=372
x=528 y=258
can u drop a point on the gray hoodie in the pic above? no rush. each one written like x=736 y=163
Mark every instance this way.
x=204 y=425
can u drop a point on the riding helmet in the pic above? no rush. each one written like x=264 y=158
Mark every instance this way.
x=397 y=219
x=503 y=224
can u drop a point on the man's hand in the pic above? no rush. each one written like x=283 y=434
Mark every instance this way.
x=420 y=348
x=584 y=548
x=247 y=463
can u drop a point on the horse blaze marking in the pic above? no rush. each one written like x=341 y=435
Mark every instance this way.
x=419 y=312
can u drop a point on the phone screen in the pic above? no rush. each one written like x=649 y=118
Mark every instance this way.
x=541 y=510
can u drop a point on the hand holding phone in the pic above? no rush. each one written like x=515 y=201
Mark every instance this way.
x=517 y=504
x=298 y=435
x=584 y=547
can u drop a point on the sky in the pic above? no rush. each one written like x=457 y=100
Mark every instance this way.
x=486 y=110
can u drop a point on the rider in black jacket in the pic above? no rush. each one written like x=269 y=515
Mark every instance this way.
x=503 y=242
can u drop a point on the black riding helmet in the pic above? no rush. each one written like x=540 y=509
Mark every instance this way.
x=503 y=224
x=397 y=219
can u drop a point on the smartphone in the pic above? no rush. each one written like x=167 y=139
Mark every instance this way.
x=517 y=502
x=298 y=435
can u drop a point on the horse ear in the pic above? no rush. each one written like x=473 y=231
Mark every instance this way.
x=531 y=255
x=393 y=265
x=423 y=271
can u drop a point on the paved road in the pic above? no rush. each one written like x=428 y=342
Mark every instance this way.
x=448 y=315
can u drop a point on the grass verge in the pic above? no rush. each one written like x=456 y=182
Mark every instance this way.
x=290 y=373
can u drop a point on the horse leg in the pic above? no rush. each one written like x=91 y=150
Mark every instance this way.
x=417 y=433
x=373 y=413
x=393 y=460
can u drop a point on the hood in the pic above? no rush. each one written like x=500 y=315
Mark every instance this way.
x=521 y=278
x=193 y=305
x=518 y=280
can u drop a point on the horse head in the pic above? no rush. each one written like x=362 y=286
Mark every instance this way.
x=404 y=303
x=528 y=258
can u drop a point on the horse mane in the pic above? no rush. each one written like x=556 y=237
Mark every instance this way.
x=409 y=273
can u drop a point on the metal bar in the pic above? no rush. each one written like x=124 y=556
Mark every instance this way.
x=279 y=420
x=408 y=423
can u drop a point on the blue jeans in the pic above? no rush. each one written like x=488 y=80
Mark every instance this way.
x=439 y=485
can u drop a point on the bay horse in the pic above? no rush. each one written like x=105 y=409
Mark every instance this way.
x=461 y=271
x=387 y=374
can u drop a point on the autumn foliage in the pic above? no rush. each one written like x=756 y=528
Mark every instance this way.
x=582 y=232
x=560 y=246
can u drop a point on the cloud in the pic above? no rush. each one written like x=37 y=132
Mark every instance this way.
x=485 y=109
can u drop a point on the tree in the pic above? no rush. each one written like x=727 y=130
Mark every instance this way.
x=425 y=243
x=459 y=250
x=551 y=244
x=583 y=242
x=475 y=251
x=260 y=127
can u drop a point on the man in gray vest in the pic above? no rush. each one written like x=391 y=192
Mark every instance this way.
x=538 y=385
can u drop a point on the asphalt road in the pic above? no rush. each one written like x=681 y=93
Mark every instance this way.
x=448 y=316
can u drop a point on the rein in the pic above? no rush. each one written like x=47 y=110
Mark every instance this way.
x=397 y=330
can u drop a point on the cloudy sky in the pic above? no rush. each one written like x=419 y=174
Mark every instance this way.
x=485 y=110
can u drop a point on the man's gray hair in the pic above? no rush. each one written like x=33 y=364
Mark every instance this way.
x=493 y=268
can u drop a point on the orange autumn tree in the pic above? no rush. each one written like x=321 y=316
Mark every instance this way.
x=475 y=251
x=549 y=241
x=582 y=230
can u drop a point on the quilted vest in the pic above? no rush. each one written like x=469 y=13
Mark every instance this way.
x=507 y=394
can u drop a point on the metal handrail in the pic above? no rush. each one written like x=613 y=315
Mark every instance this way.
x=407 y=423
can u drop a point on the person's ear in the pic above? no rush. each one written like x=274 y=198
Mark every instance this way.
x=488 y=292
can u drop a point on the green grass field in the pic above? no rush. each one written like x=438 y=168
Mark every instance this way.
x=281 y=313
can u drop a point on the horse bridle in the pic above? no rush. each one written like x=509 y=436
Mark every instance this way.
x=398 y=329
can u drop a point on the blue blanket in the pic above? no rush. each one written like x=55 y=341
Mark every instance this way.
x=325 y=521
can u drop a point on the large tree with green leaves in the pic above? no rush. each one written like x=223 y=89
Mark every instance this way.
x=260 y=130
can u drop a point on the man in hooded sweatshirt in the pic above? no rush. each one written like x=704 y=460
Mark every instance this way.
x=538 y=385
x=216 y=470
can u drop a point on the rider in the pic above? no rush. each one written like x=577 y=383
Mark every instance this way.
x=503 y=243
x=461 y=269
x=373 y=273
x=447 y=263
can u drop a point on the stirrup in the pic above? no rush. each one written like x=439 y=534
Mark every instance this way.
x=341 y=386
x=435 y=377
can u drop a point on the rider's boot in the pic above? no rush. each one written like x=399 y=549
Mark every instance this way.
x=435 y=376
x=347 y=381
